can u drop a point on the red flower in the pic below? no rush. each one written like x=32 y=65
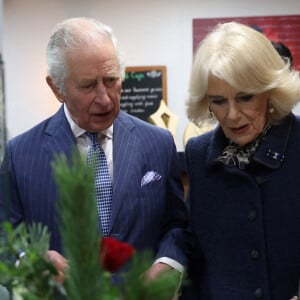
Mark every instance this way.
x=114 y=254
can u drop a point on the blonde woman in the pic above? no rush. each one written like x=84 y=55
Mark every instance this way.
x=244 y=193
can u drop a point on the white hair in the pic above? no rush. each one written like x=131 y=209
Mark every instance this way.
x=76 y=33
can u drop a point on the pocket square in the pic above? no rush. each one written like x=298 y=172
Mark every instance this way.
x=149 y=177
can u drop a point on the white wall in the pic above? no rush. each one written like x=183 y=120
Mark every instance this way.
x=149 y=32
x=1 y=22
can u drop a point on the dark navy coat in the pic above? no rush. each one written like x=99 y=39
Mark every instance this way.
x=246 y=224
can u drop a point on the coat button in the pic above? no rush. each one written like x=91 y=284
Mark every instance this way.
x=258 y=293
x=252 y=215
x=260 y=180
x=254 y=254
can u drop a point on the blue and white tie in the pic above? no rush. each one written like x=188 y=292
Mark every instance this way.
x=96 y=159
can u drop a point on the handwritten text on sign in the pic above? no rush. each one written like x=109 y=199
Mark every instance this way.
x=142 y=91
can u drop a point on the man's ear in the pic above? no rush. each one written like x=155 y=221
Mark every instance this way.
x=55 y=90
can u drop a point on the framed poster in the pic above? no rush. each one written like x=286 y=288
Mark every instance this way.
x=142 y=90
x=283 y=29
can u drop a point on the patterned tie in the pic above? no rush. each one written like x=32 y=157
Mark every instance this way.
x=97 y=161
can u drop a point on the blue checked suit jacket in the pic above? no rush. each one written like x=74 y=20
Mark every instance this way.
x=152 y=216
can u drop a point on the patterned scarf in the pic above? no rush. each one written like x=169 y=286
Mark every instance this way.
x=240 y=156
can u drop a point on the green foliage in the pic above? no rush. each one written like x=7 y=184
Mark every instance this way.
x=136 y=287
x=79 y=223
x=23 y=266
x=32 y=276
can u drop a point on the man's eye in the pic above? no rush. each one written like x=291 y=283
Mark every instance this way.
x=88 y=85
x=110 y=81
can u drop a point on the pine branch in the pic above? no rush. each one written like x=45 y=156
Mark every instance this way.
x=86 y=278
x=136 y=287
x=23 y=267
x=79 y=223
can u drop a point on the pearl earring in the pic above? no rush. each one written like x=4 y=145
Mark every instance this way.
x=271 y=108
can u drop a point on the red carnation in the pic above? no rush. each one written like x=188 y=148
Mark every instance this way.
x=114 y=254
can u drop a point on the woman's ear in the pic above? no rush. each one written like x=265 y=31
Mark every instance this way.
x=55 y=90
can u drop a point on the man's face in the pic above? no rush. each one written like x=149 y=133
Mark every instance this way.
x=92 y=87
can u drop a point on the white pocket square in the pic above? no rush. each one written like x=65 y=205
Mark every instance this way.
x=149 y=177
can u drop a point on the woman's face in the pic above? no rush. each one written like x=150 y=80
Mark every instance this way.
x=242 y=116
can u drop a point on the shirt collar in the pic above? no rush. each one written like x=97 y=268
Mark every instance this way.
x=77 y=131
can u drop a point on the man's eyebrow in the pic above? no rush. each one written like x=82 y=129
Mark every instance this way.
x=112 y=75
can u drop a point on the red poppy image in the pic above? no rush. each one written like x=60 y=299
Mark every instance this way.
x=114 y=254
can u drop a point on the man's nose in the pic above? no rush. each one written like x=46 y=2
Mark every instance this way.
x=101 y=93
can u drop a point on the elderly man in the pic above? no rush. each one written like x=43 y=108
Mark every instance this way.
x=145 y=206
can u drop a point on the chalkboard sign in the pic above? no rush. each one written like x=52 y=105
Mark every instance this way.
x=142 y=90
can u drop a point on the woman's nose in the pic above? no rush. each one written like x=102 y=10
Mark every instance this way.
x=233 y=111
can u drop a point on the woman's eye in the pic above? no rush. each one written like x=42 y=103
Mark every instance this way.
x=217 y=101
x=245 y=98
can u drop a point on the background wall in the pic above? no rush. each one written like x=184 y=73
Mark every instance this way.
x=1 y=22
x=149 y=32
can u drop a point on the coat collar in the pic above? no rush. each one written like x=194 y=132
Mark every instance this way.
x=271 y=152
x=60 y=136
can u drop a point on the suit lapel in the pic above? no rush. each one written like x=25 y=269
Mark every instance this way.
x=61 y=139
x=124 y=147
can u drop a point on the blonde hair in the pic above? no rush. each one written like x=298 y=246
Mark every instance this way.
x=246 y=60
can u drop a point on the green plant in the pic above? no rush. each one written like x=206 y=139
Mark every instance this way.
x=32 y=277
x=23 y=268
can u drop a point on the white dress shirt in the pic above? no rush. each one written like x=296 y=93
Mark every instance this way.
x=83 y=141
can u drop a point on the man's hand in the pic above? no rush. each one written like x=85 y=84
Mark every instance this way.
x=59 y=262
x=160 y=269
x=157 y=269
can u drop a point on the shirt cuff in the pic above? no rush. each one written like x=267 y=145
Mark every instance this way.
x=171 y=262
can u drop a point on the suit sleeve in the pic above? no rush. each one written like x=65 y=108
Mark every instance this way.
x=174 y=235
x=10 y=205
